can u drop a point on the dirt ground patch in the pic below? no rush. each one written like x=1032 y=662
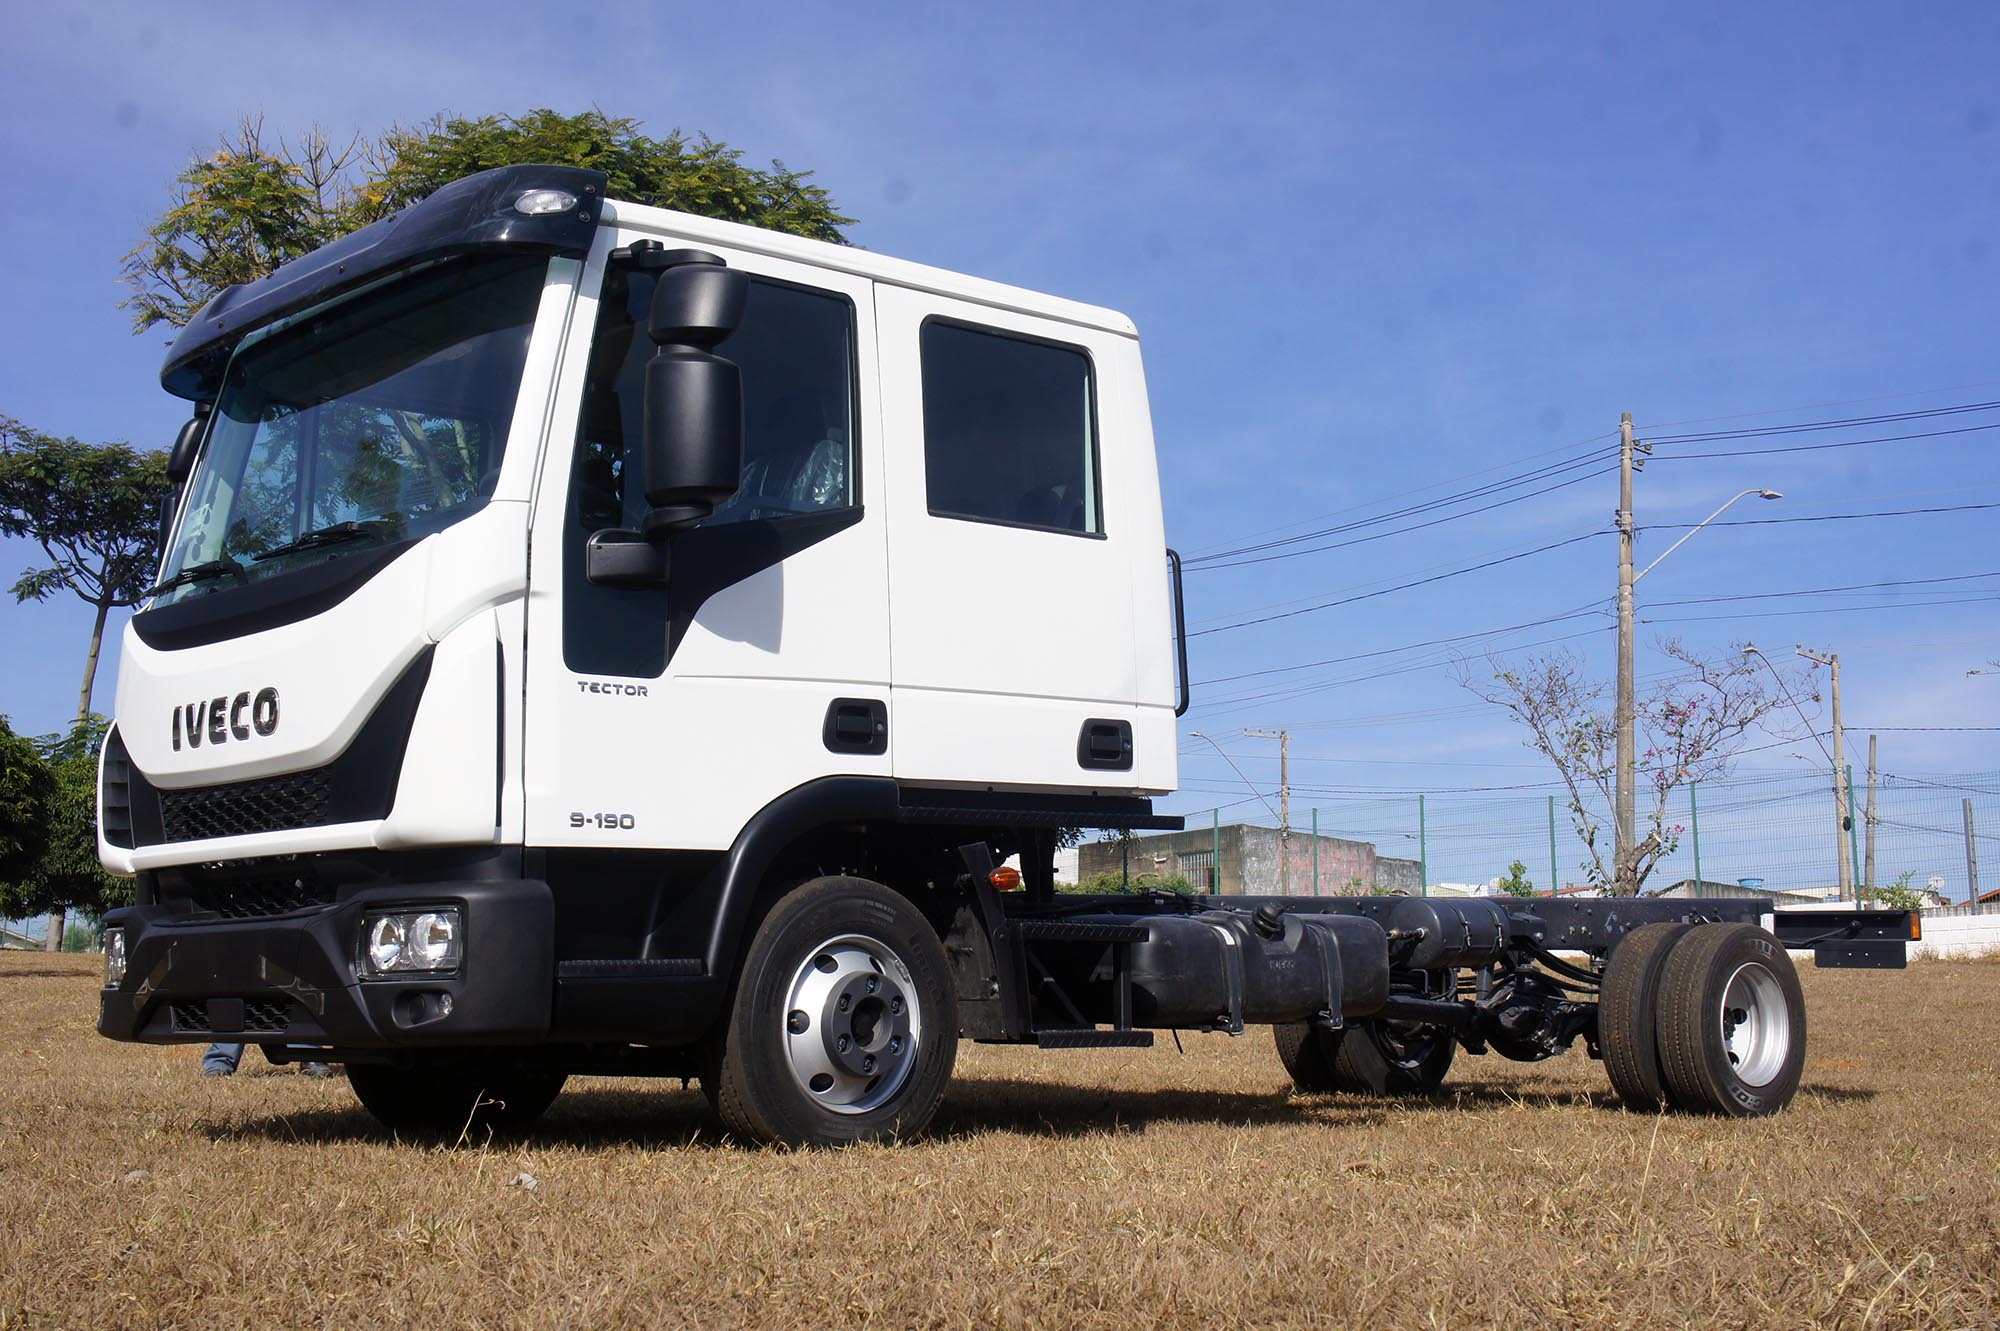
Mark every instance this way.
x=1106 y=1189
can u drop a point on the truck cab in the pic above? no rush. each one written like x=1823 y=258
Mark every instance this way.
x=427 y=740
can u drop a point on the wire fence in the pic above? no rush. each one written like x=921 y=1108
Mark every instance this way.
x=1779 y=831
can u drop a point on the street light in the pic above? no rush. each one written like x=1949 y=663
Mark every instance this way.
x=1625 y=819
x=1759 y=492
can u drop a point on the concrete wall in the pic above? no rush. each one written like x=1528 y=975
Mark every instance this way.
x=1255 y=861
x=1958 y=933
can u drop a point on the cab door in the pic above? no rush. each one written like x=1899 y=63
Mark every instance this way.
x=1018 y=535
x=665 y=718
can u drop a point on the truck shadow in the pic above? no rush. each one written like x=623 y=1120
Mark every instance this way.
x=594 y=1117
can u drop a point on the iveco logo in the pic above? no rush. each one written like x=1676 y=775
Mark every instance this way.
x=222 y=719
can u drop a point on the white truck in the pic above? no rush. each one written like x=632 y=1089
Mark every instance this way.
x=595 y=639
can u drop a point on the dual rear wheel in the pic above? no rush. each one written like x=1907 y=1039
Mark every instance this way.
x=1704 y=1018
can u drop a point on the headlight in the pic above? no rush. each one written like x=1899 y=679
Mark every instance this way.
x=409 y=942
x=114 y=958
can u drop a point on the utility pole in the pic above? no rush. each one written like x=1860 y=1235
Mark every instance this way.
x=1842 y=823
x=1868 y=864
x=1625 y=817
x=1971 y=860
x=1284 y=738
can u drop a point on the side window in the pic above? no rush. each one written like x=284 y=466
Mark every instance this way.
x=796 y=350
x=1010 y=430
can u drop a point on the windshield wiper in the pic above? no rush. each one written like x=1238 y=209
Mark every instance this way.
x=336 y=534
x=202 y=572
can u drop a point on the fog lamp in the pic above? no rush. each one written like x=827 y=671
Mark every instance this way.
x=538 y=202
x=114 y=958
x=412 y=942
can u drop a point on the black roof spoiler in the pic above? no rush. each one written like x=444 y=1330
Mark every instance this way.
x=471 y=215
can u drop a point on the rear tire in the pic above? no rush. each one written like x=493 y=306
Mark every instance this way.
x=843 y=1026
x=1732 y=1022
x=1307 y=1051
x=1627 y=1022
x=433 y=1102
x=1378 y=1058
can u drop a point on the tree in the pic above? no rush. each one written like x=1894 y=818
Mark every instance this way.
x=26 y=785
x=1689 y=727
x=95 y=511
x=66 y=873
x=1516 y=883
x=1898 y=895
x=254 y=204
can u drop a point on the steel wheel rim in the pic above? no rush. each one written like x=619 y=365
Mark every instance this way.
x=851 y=1024
x=1756 y=1023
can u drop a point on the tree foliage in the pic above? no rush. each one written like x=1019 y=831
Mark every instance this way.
x=257 y=202
x=94 y=511
x=26 y=788
x=1688 y=728
x=65 y=872
x=1516 y=883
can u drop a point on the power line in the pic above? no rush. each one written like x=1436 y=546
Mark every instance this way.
x=1822 y=591
x=1208 y=561
x=1406 y=586
x=1209 y=552
x=1820 y=517
x=1810 y=448
x=1806 y=427
x=1594 y=608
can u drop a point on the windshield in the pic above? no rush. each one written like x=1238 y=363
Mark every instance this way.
x=380 y=419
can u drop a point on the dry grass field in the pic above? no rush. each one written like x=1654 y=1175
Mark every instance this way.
x=1111 y=1189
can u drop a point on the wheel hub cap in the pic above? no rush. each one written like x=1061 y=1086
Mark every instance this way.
x=852 y=1024
x=1756 y=1024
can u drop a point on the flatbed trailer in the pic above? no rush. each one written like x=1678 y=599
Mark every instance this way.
x=595 y=639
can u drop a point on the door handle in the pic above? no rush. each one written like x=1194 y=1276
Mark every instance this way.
x=856 y=725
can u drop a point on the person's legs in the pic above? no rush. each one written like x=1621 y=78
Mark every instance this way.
x=221 y=1060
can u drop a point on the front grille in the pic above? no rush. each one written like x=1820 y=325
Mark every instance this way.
x=266 y=1016
x=114 y=802
x=261 y=1016
x=275 y=804
x=259 y=898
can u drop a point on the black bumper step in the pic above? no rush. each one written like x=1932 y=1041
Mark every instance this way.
x=1079 y=931
x=1089 y=1037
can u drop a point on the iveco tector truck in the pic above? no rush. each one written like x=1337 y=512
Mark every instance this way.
x=595 y=639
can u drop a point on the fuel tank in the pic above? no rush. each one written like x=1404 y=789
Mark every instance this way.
x=1222 y=969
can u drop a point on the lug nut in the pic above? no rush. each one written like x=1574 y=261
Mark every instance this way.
x=896 y=1045
x=841 y=1045
x=868 y=1063
x=895 y=1005
x=873 y=984
x=846 y=1002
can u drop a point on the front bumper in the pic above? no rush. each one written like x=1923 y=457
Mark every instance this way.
x=296 y=979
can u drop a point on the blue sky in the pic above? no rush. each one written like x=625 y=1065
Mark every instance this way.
x=1369 y=248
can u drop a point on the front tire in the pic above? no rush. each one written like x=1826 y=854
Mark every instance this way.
x=843 y=1026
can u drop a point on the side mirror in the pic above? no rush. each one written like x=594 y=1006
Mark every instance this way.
x=694 y=399
x=693 y=428
x=180 y=458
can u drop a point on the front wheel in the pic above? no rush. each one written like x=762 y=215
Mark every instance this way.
x=843 y=1027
